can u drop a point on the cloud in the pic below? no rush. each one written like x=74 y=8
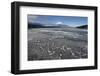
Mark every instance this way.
x=32 y=18
x=59 y=23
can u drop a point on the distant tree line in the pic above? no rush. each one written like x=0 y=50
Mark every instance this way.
x=38 y=25
x=83 y=27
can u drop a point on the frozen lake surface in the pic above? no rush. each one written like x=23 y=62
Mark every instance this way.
x=57 y=43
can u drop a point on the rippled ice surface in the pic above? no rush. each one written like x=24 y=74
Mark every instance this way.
x=57 y=43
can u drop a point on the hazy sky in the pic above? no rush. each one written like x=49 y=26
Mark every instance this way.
x=67 y=20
